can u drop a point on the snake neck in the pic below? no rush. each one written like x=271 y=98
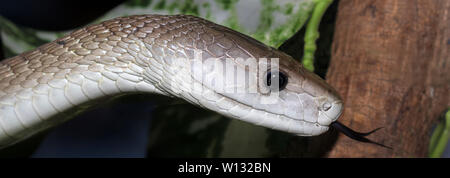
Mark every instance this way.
x=31 y=97
x=98 y=61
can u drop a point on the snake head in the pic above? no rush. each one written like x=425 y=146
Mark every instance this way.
x=247 y=80
x=233 y=74
x=320 y=102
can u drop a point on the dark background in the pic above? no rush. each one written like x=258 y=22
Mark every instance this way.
x=55 y=15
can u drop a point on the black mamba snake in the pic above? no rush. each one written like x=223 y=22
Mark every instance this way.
x=179 y=56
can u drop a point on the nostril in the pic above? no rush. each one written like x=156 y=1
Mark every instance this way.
x=326 y=106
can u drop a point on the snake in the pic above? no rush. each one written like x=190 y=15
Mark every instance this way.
x=171 y=55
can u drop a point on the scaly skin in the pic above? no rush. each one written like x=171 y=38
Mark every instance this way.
x=154 y=54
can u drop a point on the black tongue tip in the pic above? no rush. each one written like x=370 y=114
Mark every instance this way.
x=357 y=135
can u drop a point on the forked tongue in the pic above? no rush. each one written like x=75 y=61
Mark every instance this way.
x=356 y=135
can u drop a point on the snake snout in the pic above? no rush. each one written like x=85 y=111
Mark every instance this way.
x=330 y=112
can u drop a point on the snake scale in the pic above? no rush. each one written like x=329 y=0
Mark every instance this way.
x=154 y=54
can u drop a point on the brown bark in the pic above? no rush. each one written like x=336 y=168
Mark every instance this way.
x=391 y=65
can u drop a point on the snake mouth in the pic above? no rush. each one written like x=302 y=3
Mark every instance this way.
x=228 y=106
x=262 y=117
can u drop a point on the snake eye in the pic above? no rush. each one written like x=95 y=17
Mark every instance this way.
x=272 y=78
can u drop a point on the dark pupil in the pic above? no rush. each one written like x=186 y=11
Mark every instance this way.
x=282 y=80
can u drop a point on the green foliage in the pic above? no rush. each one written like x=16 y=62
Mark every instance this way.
x=439 y=139
x=312 y=33
x=138 y=3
